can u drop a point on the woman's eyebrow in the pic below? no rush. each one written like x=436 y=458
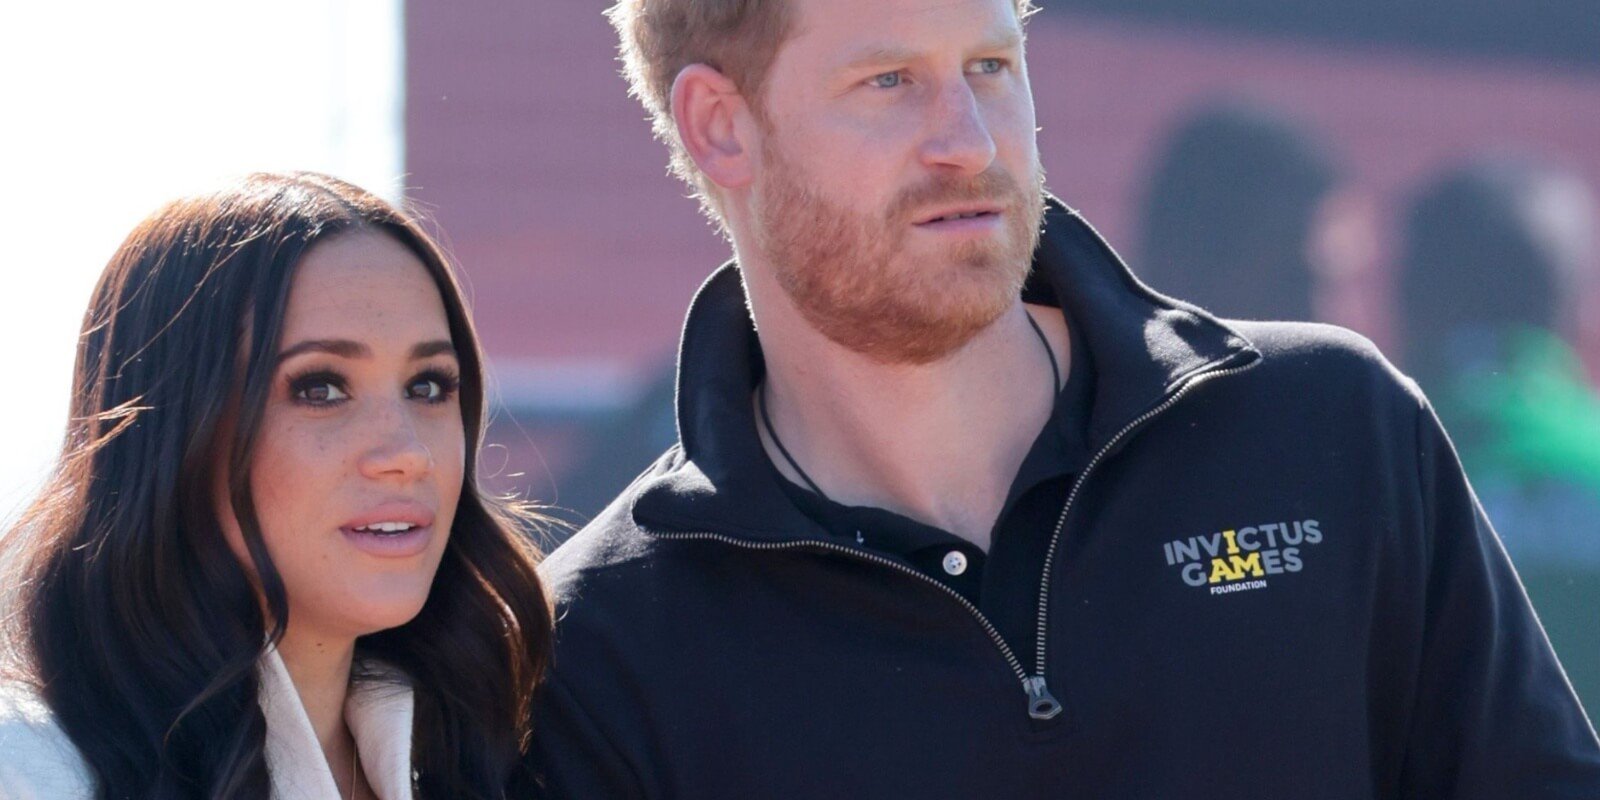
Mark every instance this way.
x=344 y=348
x=433 y=348
x=347 y=348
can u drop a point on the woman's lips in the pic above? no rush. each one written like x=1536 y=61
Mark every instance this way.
x=403 y=544
x=373 y=531
x=397 y=510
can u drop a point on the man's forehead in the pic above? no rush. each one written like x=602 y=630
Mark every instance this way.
x=854 y=29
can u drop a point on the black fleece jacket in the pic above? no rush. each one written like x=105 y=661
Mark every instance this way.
x=1271 y=580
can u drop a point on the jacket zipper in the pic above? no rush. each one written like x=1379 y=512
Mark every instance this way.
x=988 y=627
x=1042 y=705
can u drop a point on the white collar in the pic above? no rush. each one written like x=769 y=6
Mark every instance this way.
x=379 y=713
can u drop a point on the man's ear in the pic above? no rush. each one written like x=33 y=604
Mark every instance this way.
x=706 y=106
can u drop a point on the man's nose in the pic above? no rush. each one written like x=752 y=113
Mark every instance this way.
x=957 y=137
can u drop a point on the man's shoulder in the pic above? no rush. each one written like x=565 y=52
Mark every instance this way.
x=610 y=546
x=627 y=597
x=1325 y=355
x=607 y=546
x=1325 y=343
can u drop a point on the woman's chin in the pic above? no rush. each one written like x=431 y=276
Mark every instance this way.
x=391 y=618
x=364 y=607
x=394 y=613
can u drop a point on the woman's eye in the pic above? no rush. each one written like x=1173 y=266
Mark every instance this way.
x=425 y=389
x=319 y=392
x=432 y=387
x=888 y=80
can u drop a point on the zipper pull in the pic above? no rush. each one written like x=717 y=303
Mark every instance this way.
x=1041 y=704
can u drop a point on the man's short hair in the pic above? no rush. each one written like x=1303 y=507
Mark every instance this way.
x=739 y=38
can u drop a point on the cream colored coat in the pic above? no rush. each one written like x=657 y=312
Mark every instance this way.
x=39 y=762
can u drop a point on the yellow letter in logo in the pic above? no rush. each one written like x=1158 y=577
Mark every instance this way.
x=1220 y=571
x=1252 y=564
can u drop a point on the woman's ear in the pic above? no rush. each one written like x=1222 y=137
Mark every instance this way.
x=706 y=106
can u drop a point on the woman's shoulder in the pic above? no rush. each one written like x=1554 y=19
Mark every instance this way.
x=37 y=759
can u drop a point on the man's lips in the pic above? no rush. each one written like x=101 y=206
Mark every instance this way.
x=956 y=213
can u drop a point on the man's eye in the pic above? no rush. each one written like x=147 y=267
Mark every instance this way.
x=887 y=80
x=988 y=66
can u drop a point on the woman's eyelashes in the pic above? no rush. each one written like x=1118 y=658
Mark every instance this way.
x=434 y=386
x=325 y=388
x=318 y=388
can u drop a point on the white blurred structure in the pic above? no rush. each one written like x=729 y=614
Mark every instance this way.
x=112 y=108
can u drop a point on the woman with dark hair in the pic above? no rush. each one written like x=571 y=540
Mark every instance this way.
x=262 y=566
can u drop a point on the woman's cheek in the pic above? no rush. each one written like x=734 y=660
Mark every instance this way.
x=447 y=444
x=296 y=472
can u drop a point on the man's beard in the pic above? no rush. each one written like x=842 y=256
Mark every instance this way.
x=853 y=280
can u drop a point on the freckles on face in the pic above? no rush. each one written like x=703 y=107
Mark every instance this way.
x=890 y=71
x=885 y=93
x=359 y=460
x=899 y=195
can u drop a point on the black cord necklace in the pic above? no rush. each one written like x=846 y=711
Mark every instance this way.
x=772 y=433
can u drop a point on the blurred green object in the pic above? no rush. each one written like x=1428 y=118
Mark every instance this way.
x=1538 y=419
x=1527 y=424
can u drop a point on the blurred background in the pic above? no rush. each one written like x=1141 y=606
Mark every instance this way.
x=1423 y=173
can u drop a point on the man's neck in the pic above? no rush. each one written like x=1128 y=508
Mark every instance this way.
x=940 y=443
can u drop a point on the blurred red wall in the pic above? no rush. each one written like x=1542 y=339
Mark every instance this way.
x=580 y=250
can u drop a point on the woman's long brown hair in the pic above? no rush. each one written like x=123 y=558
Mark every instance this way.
x=139 y=626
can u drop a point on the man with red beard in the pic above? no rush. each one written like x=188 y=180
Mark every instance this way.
x=941 y=477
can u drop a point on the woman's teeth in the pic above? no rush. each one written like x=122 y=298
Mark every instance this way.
x=386 y=527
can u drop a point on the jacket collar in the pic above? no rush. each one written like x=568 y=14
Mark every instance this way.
x=1143 y=347
x=378 y=710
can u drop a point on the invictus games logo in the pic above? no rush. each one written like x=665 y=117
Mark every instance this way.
x=1242 y=559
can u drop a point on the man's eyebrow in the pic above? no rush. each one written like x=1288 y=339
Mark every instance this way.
x=1000 y=38
x=1006 y=38
x=873 y=55
x=434 y=348
x=343 y=348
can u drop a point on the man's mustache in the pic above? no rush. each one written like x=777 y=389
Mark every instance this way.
x=994 y=185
